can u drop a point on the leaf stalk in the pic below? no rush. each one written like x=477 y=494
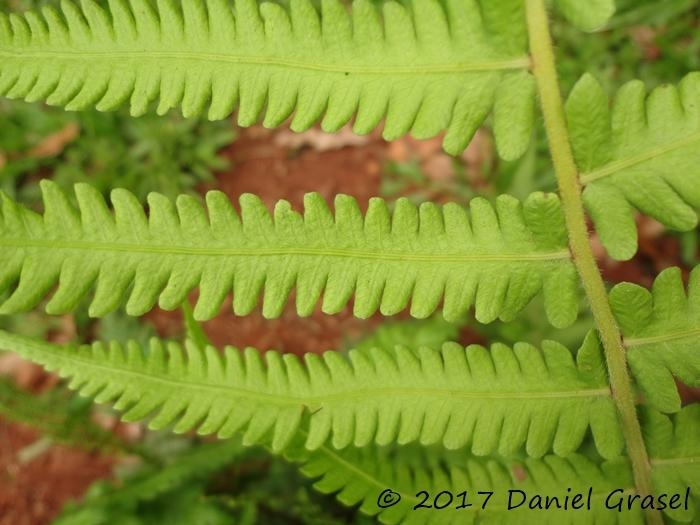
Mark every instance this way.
x=544 y=69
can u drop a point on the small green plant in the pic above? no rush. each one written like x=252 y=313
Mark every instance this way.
x=169 y=155
x=440 y=435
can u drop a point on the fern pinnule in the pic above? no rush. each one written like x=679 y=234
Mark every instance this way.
x=405 y=65
x=641 y=155
x=661 y=330
x=493 y=401
x=494 y=257
x=590 y=15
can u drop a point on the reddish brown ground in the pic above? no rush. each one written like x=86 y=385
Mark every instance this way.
x=271 y=171
x=32 y=493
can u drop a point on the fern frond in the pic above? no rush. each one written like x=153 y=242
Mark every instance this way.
x=644 y=155
x=360 y=476
x=495 y=258
x=674 y=450
x=497 y=400
x=425 y=68
x=661 y=331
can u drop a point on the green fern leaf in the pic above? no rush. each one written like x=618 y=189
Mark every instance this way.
x=360 y=476
x=497 y=400
x=494 y=258
x=661 y=330
x=674 y=450
x=642 y=155
x=406 y=66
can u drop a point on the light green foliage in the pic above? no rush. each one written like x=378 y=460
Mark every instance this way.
x=408 y=67
x=661 y=331
x=494 y=401
x=495 y=258
x=642 y=154
x=167 y=154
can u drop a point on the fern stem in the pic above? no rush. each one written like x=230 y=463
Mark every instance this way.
x=545 y=72
x=193 y=330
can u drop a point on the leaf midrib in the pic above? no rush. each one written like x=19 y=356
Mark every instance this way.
x=376 y=393
x=648 y=155
x=175 y=250
x=670 y=336
x=675 y=462
x=444 y=68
